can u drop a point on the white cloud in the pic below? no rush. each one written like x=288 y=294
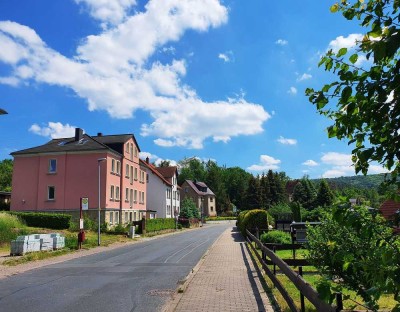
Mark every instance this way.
x=286 y=141
x=348 y=42
x=337 y=159
x=54 y=130
x=305 y=76
x=310 y=163
x=266 y=163
x=226 y=56
x=281 y=42
x=106 y=11
x=292 y=91
x=112 y=70
x=342 y=165
x=155 y=159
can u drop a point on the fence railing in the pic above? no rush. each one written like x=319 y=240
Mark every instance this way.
x=306 y=290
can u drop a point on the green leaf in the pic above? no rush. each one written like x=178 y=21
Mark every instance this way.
x=353 y=58
x=341 y=52
x=346 y=93
x=334 y=8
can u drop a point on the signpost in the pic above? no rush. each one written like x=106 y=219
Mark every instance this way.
x=84 y=205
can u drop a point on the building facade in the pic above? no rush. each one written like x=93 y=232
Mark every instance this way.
x=162 y=190
x=202 y=196
x=54 y=176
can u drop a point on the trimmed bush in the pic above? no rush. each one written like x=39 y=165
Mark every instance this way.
x=159 y=224
x=54 y=221
x=220 y=218
x=276 y=237
x=240 y=217
x=256 y=218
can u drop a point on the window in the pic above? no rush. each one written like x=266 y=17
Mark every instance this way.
x=51 y=193
x=135 y=196
x=177 y=195
x=111 y=217
x=118 y=167
x=113 y=165
x=135 y=174
x=52 y=165
x=186 y=189
x=126 y=194
x=147 y=177
x=117 y=193
x=126 y=217
x=131 y=175
x=131 y=151
x=142 y=197
x=211 y=199
x=212 y=208
x=127 y=171
x=127 y=148
x=136 y=151
x=131 y=198
x=112 y=192
x=174 y=195
x=116 y=217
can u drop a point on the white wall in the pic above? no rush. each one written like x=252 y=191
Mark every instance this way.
x=156 y=195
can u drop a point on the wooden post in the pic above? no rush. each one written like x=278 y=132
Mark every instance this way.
x=339 y=302
x=303 y=308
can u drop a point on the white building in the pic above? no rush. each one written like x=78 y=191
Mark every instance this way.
x=162 y=190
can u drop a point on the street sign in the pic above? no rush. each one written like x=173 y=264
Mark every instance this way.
x=85 y=203
x=81 y=224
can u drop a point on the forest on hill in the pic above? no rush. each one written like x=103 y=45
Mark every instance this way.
x=360 y=181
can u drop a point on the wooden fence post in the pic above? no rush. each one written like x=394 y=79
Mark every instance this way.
x=339 y=302
x=303 y=307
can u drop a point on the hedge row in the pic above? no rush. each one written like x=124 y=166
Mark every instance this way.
x=54 y=221
x=159 y=224
x=252 y=219
x=220 y=218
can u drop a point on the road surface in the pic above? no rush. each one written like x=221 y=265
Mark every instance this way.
x=139 y=277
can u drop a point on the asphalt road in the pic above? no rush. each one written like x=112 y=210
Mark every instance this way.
x=139 y=277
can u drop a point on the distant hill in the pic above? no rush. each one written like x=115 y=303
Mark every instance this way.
x=360 y=182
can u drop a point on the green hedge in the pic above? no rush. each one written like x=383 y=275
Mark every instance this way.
x=55 y=221
x=276 y=237
x=220 y=218
x=252 y=219
x=160 y=224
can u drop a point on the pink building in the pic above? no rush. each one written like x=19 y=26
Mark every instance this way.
x=54 y=176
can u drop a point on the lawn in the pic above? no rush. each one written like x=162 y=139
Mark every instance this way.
x=312 y=276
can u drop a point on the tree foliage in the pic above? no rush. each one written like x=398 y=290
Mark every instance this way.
x=366 y=98
x=357 y=249
x=6 y=169
x=188 y=209
x=324 y=195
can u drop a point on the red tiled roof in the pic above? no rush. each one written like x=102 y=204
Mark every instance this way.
x=154 y=170
x=167 y=172
x=389 y=209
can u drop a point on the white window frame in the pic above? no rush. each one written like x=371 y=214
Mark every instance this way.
x=126 y=194
x=135 y=175
x=117 y=192
x=135 y=196
x=112 y=188
x=48 y=192
x=55 y=165
x=112 y=165
x=127 y=170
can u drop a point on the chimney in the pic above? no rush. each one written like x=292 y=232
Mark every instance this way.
x=147 y=160
x=99 y=134
x=78 y=134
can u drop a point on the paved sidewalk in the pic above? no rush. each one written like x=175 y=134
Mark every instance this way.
x=226 y=280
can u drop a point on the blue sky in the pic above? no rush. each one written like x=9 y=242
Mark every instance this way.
x=221 y=80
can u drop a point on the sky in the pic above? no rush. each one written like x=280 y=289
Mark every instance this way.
x=216 y=79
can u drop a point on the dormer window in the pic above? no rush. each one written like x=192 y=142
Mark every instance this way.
x=52 y=165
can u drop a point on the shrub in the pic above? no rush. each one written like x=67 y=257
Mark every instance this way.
x=220 y=218
x=240 y=217
x=189 y=209
x=281 y=211
x=10 y=228
x=256 y=218
x=46 y=220
x=276 y=237
x=160 y=224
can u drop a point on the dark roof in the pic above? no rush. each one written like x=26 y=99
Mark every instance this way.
x=193 y=185
x=87 y=143
x=154 y=170
x=167 y=172
x=117 y=138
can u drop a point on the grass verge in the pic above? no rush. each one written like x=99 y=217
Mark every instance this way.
x=312 y=276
